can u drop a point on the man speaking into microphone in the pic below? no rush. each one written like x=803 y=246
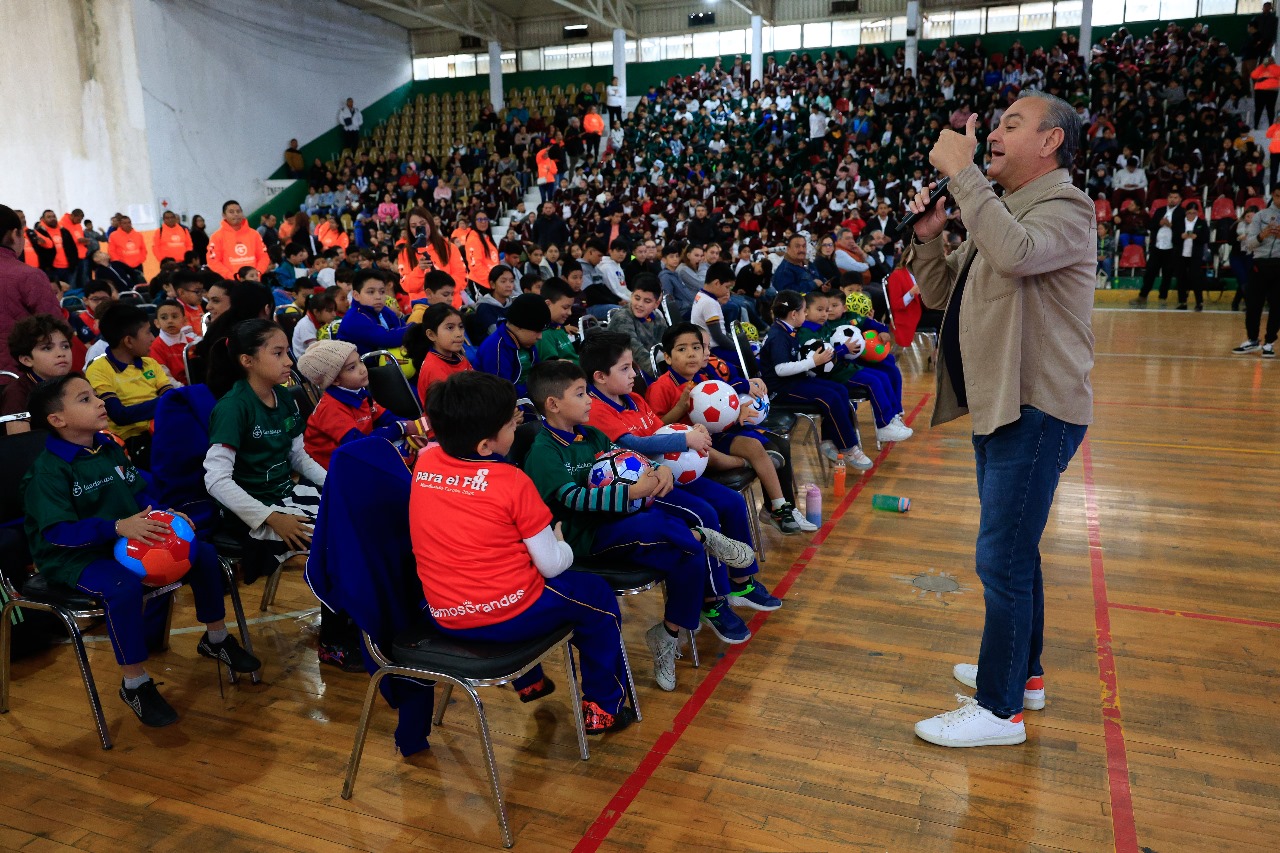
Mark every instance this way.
x=1016 y=349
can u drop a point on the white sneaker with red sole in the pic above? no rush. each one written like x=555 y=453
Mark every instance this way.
x=971 y=725
x=1032 y=693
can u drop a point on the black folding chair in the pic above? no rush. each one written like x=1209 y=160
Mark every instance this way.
x=389 y=386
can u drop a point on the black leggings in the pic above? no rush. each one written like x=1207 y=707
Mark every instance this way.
x=615 y=116
x=1264 y=100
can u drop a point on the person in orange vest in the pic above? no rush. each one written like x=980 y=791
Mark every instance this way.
x=592 y=128
x=1266 y=83
x=1273 y=133
x=235 y=244
x=127 y=250
x=331 y=234
x=57 y=249
x=422 y=249
x=29 y=256
x=172 y=241
x=481 y=252
x=546 y=160
x=74 y=223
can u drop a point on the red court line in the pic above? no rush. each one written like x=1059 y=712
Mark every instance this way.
x=635 y=783
x=1187 y=614
x=1123 y=829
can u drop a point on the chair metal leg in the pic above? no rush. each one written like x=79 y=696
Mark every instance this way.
x=753 y=518
x=269 y=590
x=362 y=729
x=95 y=703
x=815 y=428
x=492 y=763
x=6 y=637
x=575 y=701
x=632 y=694
x=237 y=607
x=442 y=703
x=693 y=649
x=168 y=623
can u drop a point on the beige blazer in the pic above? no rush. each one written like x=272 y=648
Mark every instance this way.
x=1025 y=333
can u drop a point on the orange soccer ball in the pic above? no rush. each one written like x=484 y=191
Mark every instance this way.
x=877 y=346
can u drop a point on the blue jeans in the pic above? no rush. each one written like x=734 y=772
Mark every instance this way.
x=1018 y=469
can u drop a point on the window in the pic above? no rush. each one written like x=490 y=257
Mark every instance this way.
x=677 y=47
x=651 y=50
x=629 y=51
x=786 y=38
x=442 y=67
x=1036 y=16
x=1108 y=14
x=845 y=33
x=464 y=64
x=482 y=64
x=734 y=42
x=1217 y=7
x=530 y=60
x=1002 y=19
x=1141 y=10
x=1250 y=7
x=875 y=32
x=555 y=58
x=816 y=35
x=422 y=68
x=937 y=25
x=1067 y=13
x=602 y=53
x=579 y=56
x=898 y=28
x=508 y=62
x=706 y=45
x=968 y=23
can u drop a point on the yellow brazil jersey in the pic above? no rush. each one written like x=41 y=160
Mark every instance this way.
x=131 y=383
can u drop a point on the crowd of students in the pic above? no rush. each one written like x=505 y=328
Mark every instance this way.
x=714 y=235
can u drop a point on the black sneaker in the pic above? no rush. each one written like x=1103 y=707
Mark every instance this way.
x=145 y=701
x=1246 y=348
x=1182 y=306
x=230 y=653
x=1199 y=306
x=1268 y=350
x=598 y=721
x=783 y=518
x=344 y=659
x=542 y=687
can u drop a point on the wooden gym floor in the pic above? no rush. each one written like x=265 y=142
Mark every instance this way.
x=1161 y=731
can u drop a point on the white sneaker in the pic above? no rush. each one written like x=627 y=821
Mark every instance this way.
x=829 y=450
x=805 y=524
x=857 y=459
x=664 y=649
x=971 y=725
x=893 y=431
x=897 y=419
x=1032 y=693
x=731 y=552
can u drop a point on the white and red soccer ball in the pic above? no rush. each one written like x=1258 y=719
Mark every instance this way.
x=756 y=408
x=620 y=466
x=714 y=404
x=851 y=337
x=686 y=465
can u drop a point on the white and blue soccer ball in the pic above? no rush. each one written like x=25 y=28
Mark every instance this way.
x=757 y=409
x=620 y=466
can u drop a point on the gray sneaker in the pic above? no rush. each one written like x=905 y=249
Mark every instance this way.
x=731 y=552
x=664 y=649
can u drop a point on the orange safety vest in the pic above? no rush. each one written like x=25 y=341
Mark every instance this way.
x=230 y=249
x=1273 y=133
x=329 y=236
x=29 y=256
x=127 y=248
x=593 y=123
x=546 y=167
x=77 y=231
x=171 y=243
x=1266 y=78
x=59 y=250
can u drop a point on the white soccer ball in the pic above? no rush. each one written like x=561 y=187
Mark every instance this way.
x=714 y=404
x=757 y=409
x=851 y=337
x=686 y=465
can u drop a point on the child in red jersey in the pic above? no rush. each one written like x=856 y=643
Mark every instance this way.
x=174 y=336
x=439 y=338
x=346 y=412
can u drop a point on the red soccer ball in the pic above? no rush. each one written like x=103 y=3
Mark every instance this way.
x=877 y=346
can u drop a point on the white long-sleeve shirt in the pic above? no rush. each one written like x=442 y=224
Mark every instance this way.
x=219 y=467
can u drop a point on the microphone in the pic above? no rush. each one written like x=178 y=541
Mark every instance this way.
x=904 y=226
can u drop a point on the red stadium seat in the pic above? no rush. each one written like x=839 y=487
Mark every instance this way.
x=1103 y=209
x=1133 y=257
x=1158 y=205
x=1223 y=208
x=1256 y=202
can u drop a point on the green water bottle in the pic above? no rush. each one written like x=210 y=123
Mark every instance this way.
x=891 y=503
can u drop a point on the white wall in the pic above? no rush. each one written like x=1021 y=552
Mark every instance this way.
x=73 y=129
x=226 y=83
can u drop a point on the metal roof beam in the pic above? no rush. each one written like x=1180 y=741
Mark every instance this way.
x=468 y=17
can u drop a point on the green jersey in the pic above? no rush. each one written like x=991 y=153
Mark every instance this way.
x=559 y=465
x=262 y=437
x=67 y=483
x=555 y=343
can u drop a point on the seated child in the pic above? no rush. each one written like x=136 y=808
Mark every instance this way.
x=255 y=437
x=437 y=287
x=686 y=351
x=556 y=341
x=128 y=380
x=81 y=495
x=531 y=282
x=85 y=322
x=642 y=321
x=785 y=372
x=346 y=412
x=491 y=309
x=853 y=374
x=708 y=309
x=41 y=345
x=492 y=566
x=597 y=522
x=887 y=367
x=370 y=324
x=291 y=274
x=174 y=336
x=511 y=351
x=321 y=309
x=628 y=421
x=435 y=346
